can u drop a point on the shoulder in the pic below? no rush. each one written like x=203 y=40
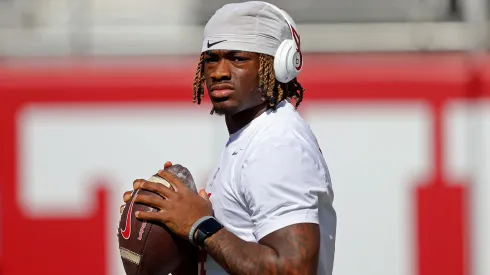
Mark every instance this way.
x=284 y=155
x=284 y=132
x=283 y=146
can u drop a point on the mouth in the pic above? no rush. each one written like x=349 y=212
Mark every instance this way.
x=219 y=99
x=220 y=92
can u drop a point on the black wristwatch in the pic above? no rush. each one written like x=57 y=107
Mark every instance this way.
x=206 y=229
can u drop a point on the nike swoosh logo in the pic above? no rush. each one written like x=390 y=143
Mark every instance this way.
x=214 y=43
x=127 y=230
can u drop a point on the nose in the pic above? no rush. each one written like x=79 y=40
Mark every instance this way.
x=221 y=71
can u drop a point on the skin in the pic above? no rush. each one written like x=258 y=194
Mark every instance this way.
x=239 y=70
x=291 y=250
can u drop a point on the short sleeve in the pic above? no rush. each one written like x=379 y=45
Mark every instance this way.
x=282 y=184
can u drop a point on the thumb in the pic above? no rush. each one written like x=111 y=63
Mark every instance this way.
x=167 y=164
x=203 y=194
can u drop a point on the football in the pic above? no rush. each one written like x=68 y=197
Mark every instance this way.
x=148 y=248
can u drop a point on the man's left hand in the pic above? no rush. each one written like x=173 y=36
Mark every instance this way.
x=181 y=208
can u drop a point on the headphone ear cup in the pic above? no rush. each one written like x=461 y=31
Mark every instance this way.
x=284 y=61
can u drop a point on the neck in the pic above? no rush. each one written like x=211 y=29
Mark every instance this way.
x=239 y=120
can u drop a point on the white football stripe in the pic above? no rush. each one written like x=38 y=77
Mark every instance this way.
x=130 y=255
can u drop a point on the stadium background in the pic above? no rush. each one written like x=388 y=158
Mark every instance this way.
x=96 y=93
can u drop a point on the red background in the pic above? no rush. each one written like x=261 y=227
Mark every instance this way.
x=52 y=246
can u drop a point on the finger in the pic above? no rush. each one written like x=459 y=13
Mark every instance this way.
x=151 y=216
x=203 y=194
x=121 y=209
x=152 y=200
x=136 y=183
x=127 y=196
x=158 y=188
x=175 y=181
x=167 y=164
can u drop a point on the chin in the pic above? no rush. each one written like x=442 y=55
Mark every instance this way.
x=225 y=108
x=218 y=112
x=223 y=112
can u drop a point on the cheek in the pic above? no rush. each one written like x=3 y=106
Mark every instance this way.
x=248 y=82
x=207 y=81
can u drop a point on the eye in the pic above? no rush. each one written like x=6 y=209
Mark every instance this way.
x=239 y=59
x=209 y=59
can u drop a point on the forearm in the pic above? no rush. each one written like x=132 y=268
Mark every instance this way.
x=239 y=257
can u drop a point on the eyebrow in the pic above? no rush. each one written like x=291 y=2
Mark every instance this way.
x=228 y=52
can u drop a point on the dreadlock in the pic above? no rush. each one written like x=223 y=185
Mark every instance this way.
x=199 y=78
x=272 y=90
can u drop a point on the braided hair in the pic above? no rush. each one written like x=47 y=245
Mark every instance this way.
x=272 y=90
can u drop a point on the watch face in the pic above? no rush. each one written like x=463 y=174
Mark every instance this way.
x=210 y=226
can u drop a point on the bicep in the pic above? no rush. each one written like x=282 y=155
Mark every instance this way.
x=297 y=247
x=282 y=188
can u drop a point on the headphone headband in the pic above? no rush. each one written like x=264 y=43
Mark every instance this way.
x=294 y=33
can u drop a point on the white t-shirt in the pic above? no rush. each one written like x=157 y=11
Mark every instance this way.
x=272 y=174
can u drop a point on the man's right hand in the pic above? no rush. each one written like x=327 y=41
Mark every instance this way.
x=127 y=194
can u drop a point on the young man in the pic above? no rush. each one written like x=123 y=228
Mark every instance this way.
x=267 y=207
